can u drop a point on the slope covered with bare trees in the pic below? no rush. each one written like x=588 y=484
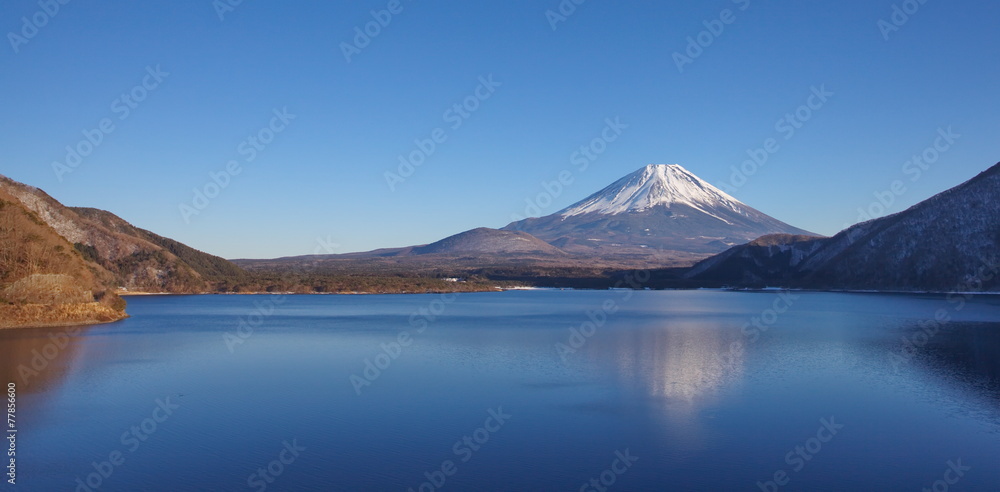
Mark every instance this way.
x=44 y=280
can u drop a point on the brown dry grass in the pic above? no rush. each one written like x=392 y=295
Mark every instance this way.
x=47 y=289
x=35 y=315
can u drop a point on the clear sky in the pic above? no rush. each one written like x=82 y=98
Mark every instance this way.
x=319 y=185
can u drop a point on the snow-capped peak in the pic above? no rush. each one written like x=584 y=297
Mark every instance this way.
x=653 y=185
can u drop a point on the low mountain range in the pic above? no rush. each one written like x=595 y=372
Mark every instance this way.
x=61 y=264
x=659 y=215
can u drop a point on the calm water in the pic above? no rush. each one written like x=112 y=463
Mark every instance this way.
x=682 y=385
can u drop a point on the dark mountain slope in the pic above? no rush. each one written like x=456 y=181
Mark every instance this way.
x=768 y=259
x=938 y=244
x=210 y=267
x=949 y=242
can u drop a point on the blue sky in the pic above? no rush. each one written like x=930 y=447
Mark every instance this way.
x=319 y=185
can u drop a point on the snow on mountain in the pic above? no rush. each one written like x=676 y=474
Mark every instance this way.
x=653 y=185
x=658 y=216
x=662 y=210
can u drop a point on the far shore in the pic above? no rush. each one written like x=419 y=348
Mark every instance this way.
x=60 y=324
x=506 y=289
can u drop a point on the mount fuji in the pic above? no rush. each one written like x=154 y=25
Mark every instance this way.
x=658 y=216
x=661 y=209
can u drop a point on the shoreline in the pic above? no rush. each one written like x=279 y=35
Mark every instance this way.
x=289 y=293
x=56 y=315
x=61 y=324
x=549 y=289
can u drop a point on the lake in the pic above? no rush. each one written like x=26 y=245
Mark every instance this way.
x=519 y=390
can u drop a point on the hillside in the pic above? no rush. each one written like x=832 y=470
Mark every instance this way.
x=210 y=267
x=43 y=279
x=489 y=241
x=768 y=259
x=137 y=259
x=949 y=242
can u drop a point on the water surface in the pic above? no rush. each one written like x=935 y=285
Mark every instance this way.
x=704 y=390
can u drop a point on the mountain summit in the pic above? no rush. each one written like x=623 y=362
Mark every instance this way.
x=656 y=184
x=660 y=209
